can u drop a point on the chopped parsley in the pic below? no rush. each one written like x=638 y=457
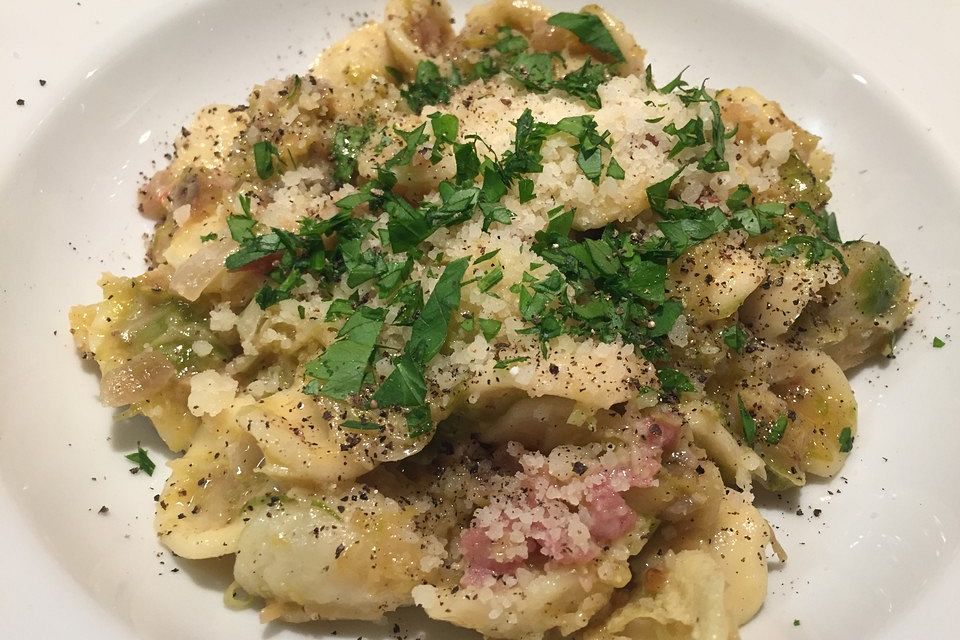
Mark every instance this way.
x=748 y=423
x=590 y=30
x=845 y=438
x=812 y=248
x=487 y=256
x=489 y=327
x=405 y=386
x=673 y=382
x=142 y=460
x=938 y=343
x=264 y=154
x=347 y=143
x=362 y=425
x=428 y=87
x=323 y=506
x=208 y=237
x=490 y=278
x=777 y=429
x=734 y=337
x=584 y=82
x=505 y=364
x=689 y=136
x=341 y=369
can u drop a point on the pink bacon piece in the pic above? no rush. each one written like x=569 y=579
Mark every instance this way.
x=567 y=522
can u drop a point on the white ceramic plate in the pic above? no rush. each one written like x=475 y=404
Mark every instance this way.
x=879 y=562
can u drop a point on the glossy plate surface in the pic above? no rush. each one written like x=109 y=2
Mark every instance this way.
x=879 y=561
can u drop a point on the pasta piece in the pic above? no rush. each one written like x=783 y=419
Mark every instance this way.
x=363 y=551
x=856 y=317
x=682 y=600
x=714 y=278
x=536 y=423
x=739 y=464
x=354 y=70
x=200 y=513
x=632 y=52
x=817 y=391
x=789 y=286
x=812 y=393
x=529 y=19
x=562 y=599
x=739 y=548
x=130 y=333
x=758 y=118
x=594 y=375
x=312 y=441
x=417 y=30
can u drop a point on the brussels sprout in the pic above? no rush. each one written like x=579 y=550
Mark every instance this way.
x=798 y=183
x=856 y=317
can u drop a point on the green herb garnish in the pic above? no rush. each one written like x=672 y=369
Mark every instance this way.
x=342 y=368
x=747 y=422
x=505 y=364
x=845 y=438
x=812 y=248
x=142 y=460
x=777 y=429
x=264 y=153
x=428 y=87
x=590 y=30
x=734 y=337
x=405 y=386
x=489 y=327
x=362 y=425
x=347 y=143
x=673 y=382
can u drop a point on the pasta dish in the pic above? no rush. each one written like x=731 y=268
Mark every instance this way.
x=496 y=323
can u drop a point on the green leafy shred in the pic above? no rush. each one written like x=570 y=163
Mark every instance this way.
x=323 y=506
x=590 y=30
x=142 y=460
x=812 y=248
x=264 y=154
x=584 y=82
x=362 y=425
x=673 y=382
x=747 y=422
x=689 y=136
x=405 y=386
x=490 y=278
x=342 y=368
x=428 y=87
x=489 y=327
x=777 y=429
x=735 y=337
x=505 y=364
x=347 y=143
x=938 y=343
x=845 y=438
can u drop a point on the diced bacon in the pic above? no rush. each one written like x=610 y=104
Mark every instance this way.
x=476 y=547
x=566 y=518
x=607 y=514
x=664 y=430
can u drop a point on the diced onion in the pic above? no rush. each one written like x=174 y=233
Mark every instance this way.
x=142 y=376
x=200 y=269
